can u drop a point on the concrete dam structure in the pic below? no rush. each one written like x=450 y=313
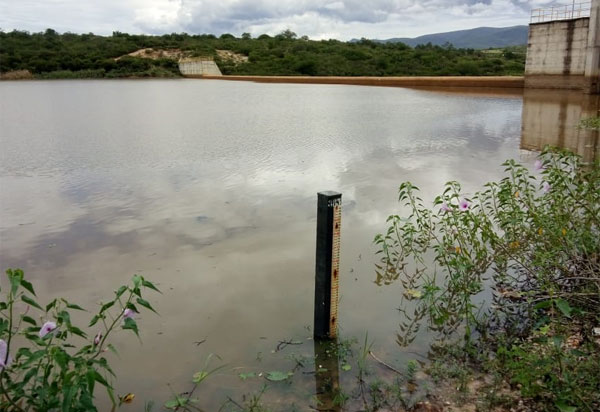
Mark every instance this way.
x=564 y=48
x=198 y=67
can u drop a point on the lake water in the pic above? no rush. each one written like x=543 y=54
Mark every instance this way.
x=208 y=188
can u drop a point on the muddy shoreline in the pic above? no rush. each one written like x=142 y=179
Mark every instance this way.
x=493 y=86
x=488 y=82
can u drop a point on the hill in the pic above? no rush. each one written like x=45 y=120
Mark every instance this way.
x=53 y=55
x=479 y=38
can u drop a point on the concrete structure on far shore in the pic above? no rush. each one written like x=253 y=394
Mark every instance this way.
x=198 y=67
x=564 y=49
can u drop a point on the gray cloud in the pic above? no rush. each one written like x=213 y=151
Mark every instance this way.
x=341 y=19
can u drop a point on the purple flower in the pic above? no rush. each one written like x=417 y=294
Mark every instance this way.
x=97 y=338
x=546 y=187
x=538 y=165
x=3 y=358
x=445 y=208
x=47 y=328
x=463 y=206
x=129 y=313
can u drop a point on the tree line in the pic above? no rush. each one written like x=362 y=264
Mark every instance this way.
x=50 y=54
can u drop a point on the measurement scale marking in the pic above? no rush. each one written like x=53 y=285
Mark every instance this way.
x=335 y=269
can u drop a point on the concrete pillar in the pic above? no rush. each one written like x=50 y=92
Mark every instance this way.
x=592 y=64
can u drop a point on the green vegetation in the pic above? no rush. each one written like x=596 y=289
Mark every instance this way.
x=53 y=55
x=592 y=123
x=534 y=238
x=57 y=365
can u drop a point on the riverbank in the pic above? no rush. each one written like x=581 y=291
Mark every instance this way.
x=504 y=82
x=446 y=82
x=493 y=86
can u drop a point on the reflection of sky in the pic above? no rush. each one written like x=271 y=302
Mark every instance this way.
x=209 y=188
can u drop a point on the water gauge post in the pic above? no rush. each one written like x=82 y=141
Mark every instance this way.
x=329 y=213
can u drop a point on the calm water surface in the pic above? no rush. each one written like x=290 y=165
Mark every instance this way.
x=209 y=189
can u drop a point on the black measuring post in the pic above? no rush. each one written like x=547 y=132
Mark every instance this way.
x=327 y=264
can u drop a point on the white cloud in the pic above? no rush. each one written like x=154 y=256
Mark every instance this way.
x=160 y=15
x=342 y=19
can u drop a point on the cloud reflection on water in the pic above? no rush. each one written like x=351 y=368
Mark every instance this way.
x=217 y=202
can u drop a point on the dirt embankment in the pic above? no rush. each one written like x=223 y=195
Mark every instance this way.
x=509 y=82
x=177 y=54
x=233 y=57
x=150 y=53
x=16 y=75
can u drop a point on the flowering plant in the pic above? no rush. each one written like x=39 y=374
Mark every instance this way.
x=48 y=363
x=533 y=238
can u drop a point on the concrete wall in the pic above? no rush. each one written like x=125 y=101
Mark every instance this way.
x=198 y=68
x=556 y=54
x=551 y=117
x=565 y=54
x=592 y=67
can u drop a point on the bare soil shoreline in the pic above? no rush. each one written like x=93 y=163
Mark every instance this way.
x=492 y=86
x=503 y=82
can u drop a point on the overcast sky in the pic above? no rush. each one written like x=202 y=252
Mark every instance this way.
x=324 y=19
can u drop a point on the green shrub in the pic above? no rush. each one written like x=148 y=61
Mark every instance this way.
x=550 y=373
x=534 y=236
x=533 y=239
x=48 y=363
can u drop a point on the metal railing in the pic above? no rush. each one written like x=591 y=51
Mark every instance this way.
x=562 y=12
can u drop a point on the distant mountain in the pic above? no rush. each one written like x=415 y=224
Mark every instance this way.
x=479 y=38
